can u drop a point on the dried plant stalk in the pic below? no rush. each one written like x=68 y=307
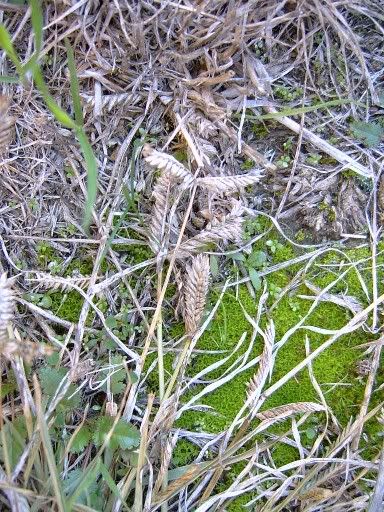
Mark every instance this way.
x=6 y=123
x=168 y=164
x=227 y=184
x=257 y=382
x=195 y=292
x=6 y=308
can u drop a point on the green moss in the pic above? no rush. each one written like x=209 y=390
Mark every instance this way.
x=67 y=305
x=135 y=253
x=334 y=369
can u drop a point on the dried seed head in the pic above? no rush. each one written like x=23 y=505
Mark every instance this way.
x=230 y=229
x=227 y=184
x=168 y=164
x=161 y=195
x=195 y=292
x=6 y=123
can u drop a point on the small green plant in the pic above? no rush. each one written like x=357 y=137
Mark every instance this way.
x=273 y=245
x=288 y=145
x=274 y=290
x=287 y=93
x=314 y=158
x=284 y=161
x=300 y=235
x=247 y=164
x=97 y=431
x=370 y=134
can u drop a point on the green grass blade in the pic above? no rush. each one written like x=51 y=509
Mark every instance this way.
x=5 y=79
x=74 y=84
x=91 y=166
x=90 y=475
x=48 y=450
x=111 y=484
x=37 y=24
x=57 y=111
x=37 y=28
x=7 y=45
x=300 y=110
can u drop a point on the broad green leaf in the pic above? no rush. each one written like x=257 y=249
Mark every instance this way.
x=81 y=440
x=311 y=433
x=46 y=302
x=74 y=82
x=50 y=379
x=256 y=259
x=118 y=376
x=82 y=484
x=237 y=256
x=369 y=133
x=111 y=322
x=73 y=480
x=125 y=435
x=255 y=279
x=213 y=262
x=15 y=433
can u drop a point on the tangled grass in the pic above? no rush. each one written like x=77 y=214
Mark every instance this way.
x=239 y=151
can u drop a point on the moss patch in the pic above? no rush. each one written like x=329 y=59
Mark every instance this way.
x=334 y=369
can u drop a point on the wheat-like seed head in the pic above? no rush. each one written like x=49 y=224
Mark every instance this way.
x=284 y=411
x=227 y=184
x=230 y=229
x=202 y=125
x=161 y=195
x=195 y=292
x=168 y=164
x=6 y=123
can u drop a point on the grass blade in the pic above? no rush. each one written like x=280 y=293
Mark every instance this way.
x=74 y=84
x=300 y=110
x=48 y=450
x=59 y=114
x=91 y=167
x=37 y=24
x=9 y=79
x=7 y=45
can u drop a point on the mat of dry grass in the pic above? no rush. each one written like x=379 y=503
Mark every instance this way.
x=191 y=199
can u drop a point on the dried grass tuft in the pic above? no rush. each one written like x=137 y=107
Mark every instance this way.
x=7 y=123
x=6 y=307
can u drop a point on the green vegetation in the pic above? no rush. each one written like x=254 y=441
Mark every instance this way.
x=334 y=369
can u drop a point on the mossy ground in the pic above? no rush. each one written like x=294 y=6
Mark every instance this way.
x=335 y=369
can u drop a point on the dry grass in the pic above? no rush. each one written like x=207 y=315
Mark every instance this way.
x=188 y=108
